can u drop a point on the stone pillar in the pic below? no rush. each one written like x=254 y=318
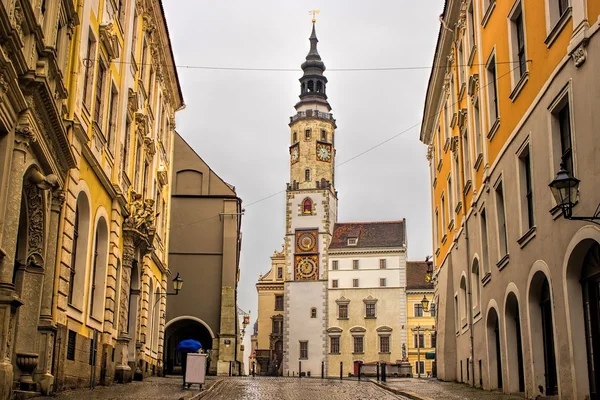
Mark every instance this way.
x=47 y=327
x=9 y=301
x=123 y=372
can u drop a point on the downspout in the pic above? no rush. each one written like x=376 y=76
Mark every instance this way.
x=470 y=296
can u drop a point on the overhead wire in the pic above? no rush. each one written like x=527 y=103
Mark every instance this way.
x=356 y=156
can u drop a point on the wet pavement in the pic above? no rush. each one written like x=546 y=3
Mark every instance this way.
x=265 y=388
x=438 y=390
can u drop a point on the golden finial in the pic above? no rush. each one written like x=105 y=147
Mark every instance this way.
x=314 y=13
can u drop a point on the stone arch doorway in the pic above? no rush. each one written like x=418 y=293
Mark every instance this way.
x=179 y=329
x=583 y=299
x=514 y=358
x=494 y=351
x=541 y=317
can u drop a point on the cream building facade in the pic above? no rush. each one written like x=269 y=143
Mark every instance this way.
x=366 y=295
x=516 y=281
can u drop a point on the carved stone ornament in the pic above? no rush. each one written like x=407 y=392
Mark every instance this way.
x=473 y=84
x=142 y=123
x=139 y=4
x=162 y=174
x=148 y=23
x=450 y=60
x=110 y=40
x=132 y=101
x=24 y=135
x=430 y=151
x=58 y=199
x=579 y=55
x=35 y=222
x=149 y=146
x=140 y=224
x=3 y=86
x=172 y=124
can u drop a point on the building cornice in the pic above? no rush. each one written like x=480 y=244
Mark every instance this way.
x=382 y=250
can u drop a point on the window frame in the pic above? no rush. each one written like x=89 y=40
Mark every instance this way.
x=334 y=345
x=345 y=308
x=334 y=283
x=382 y=282
x=493 y=97
x=335 y=265
x=355 y=283
x=358 y=344
x=370 y=310
x=501 y=222
x=303 y=353
x=355 y=265
x=279 y=306
x=382 y=263
x=418 y=310
x=384 y=344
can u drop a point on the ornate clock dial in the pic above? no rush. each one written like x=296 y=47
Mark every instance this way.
x=323 y=152
x=306 y=242
x=306 y=268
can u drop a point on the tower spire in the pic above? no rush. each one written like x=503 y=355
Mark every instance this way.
x=313 y=82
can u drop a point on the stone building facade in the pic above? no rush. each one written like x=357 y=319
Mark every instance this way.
x=75 y=227
x=205 y=249
x=366 y=295
x=516 y=282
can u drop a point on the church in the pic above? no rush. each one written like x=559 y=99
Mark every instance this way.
x=317 y=311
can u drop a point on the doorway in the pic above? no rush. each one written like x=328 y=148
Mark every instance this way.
x=590 y=285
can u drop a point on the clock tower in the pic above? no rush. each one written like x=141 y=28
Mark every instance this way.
x=311 y=211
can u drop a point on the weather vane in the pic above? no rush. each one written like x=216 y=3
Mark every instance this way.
x=313 y=13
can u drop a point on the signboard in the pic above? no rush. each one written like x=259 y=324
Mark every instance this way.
x=196 y=368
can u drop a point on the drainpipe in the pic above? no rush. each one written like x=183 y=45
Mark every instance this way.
x=470 y=297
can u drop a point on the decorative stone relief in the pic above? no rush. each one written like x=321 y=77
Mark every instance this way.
x=24 y=135
x=132 y=101
x=430 y=151
x=35 y=234
x=579 y=55
x=108 y=37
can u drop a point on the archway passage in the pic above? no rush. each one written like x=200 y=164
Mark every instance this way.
x=182 y=330
x=494 y=351
x=516 y=374
x=590 y=285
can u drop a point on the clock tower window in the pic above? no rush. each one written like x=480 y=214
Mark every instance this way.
x=307 y=206
x=295 y=137
x=319 y=86
x=307 y=134
x=311 y=86
x=324 y=135
x=307 y=175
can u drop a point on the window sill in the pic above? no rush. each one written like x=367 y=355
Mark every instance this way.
x=558 y=27
x=487 y=278
x=343 y=318
x=519 y=86
x=358 y=352
x=478 y=162
x=494 y=129
x=303 y=358
x=527 y=237
x=278 y=309
x=370 y=317
x=334 y=354
x=385 y=352
x=472 y=55
x=503 y=262
x=488 y=13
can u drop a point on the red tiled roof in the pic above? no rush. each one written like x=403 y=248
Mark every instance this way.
x=415 y=275
x=369 y=234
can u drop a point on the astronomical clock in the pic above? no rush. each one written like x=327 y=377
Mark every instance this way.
x=294 y=153
x=306 y=260
x=324 y=152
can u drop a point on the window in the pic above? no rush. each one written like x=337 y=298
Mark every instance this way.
x=436 y=227
x=307 y=204
x=419 y=340
x=334 y=283
x=112 y=117
x=382 y=282
x=439 y=144
x=89 y=69
x=370 y=310
x=418 y=310
x=126 y=144
x=450 y=200
x=466 y=159
x=477 y=124
x=355 y=282
x=526 y=188
x=334 y=265
x=358 y=344
x=343 y=311
x=279 y=272
x=279 y=302
x=354 y=264
x=471 y=25
x=564 y=119
x=71 y=345
x=475 y=282
x=519 y=30
x=307 y=134
x=384 y=344
x=456 y=314
x=334 y=345
x=99 y=93
x=562 y=6
x=352 y=241
x=313 y=312
x=304 y=350
x=432 y=309
x=461 y=65
x=419 y=367
x=323 y=135
x=453 y=100
x=382 y=263
x=443 y=215
x=307 y=175
x=433 y=339
x=502 y=234
x=484 y=238
x=72 y=271
x=463 y=302
x=277 y=326
x=492 y=90
x=294 y=137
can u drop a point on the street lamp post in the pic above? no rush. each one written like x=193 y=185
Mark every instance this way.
x=565 y=189
x=425 y=305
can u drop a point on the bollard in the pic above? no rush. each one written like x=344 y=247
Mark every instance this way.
x=383 y=372
x=359 y=368
x=341 y=370
x=253 y=366
x=299 y=369
x=322 y=369
x=378 y=371
x=288 y=373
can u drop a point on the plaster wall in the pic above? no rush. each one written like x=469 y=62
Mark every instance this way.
x=369 y=271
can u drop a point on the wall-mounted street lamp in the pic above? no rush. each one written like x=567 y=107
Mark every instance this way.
x=564 y=189
x=425 y=303
x=177 y=284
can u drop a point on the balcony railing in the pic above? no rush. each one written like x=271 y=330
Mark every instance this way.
x=312 y=114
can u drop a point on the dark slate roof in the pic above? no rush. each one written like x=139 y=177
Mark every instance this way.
x=415 y=275
x=369 y=234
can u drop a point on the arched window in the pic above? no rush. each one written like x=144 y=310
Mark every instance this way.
x=307 y=175
x=117 y=293
x=99 y=263
x=311 y=86
x=319 y=86
x=475 y=282
x=156 y=317
x=81 y=233
x=307 y=206
x=307 y=134
x=150 y=324
x=463 y=301
x=294 y=137
x=313 y=312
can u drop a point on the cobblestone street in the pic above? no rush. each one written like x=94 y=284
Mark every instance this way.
x=434 y=389
x=296 y=389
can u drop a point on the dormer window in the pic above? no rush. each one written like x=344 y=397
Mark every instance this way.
x=352 y=241
x=307 y=134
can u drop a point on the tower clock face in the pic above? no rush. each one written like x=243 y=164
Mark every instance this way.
x=306 y=268
x=323 y=152
x=294 y=154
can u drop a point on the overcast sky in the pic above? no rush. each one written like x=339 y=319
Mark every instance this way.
x=237 y=121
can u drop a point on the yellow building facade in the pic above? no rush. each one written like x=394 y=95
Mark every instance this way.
x=268 y=337
x=421 y=323
x=511 y=99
